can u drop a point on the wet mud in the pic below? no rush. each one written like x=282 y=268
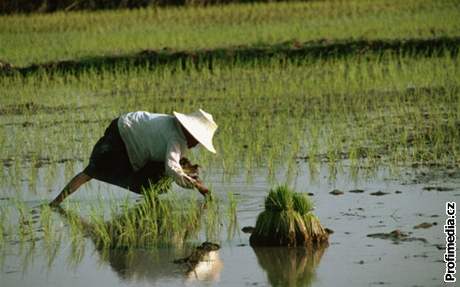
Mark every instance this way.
x=397 y=236
x=425 y=225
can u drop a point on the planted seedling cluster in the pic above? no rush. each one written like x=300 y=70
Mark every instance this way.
x=288 y=220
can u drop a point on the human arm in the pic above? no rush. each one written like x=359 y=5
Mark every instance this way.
x=71 y=187
x=201 y=188
x=174 y=169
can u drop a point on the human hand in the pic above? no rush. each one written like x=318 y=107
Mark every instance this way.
x=201 y=188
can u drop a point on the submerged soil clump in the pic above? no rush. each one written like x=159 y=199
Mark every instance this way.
x=288 y=220
x=425 y=225
x=396 y=236
x=336 y=192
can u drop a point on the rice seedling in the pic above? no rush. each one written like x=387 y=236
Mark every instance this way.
x=12 y=228
x=154 y=221
x=27 y=255
x=47 y=225
x=2 y=257
x=52 y=251
x=288 y=220
x=76 y=233
x=3 y=228
x=25 y=227
x=77 y=252
x=211 y=218
x=99 y=229
x=232 y=220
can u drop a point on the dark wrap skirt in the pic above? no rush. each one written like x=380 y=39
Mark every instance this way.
x=109 y=162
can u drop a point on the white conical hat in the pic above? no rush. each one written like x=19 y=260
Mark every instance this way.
x=200 y=125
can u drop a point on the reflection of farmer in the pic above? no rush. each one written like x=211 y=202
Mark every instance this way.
x=140 y=148
x=153 y=265
x=145 y=263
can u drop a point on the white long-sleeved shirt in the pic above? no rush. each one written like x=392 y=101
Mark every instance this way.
x=155 y=137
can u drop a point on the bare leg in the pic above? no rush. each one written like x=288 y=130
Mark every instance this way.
x=71 y=187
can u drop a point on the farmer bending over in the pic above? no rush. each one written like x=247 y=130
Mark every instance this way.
x=140 y=148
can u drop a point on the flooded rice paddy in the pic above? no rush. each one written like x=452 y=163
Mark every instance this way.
x=365 y=206
x=373 y=138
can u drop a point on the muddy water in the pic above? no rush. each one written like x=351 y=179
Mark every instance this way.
x=352 y=258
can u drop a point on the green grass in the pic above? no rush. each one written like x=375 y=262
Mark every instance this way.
x=59 y=36
x=232 y=219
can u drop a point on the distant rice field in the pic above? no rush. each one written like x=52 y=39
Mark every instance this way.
x=62 y=36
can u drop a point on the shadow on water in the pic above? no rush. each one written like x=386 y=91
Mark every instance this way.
x=289 y=266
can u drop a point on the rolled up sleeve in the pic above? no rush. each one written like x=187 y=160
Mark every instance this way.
x=173 y=167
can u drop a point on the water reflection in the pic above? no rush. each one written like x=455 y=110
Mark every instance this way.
x=208 y=269
x=203 y=264
x=156 y=264
x=289 y=266
x=151 y=264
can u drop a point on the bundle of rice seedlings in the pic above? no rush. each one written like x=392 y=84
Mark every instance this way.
x=288 y=220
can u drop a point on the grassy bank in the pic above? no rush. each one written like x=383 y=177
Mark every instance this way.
x=72 y=36
x=292 y=51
